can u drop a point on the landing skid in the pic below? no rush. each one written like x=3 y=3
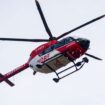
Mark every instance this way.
x=77 y=66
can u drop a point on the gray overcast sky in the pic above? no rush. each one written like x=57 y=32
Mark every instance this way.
x=20 y=18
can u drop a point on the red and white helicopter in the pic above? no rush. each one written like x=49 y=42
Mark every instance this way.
x=55 y=53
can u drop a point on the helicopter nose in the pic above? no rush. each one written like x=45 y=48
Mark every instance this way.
x=84 y=43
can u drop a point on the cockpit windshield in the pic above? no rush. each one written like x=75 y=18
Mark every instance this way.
x=57 y=45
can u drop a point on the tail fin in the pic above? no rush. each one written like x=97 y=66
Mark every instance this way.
x=7 y=81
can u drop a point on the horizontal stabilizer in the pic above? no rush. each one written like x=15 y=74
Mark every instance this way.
x=7 y=81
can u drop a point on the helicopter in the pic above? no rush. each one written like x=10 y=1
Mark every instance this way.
x=55 y=53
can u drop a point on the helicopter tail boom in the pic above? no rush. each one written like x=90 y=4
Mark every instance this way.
x=12 y=73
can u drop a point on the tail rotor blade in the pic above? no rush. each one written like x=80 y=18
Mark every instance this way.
x=92 y=56
x=43 y=19
x=85 y=24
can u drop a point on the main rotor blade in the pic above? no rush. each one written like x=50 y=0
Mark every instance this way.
x=24 y=40
x=87 y=23
x=43 y=19
x=92 y=56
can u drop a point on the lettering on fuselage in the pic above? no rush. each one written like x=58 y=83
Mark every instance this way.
x=43 y=58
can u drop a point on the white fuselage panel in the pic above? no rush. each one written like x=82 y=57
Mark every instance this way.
x=52 y=59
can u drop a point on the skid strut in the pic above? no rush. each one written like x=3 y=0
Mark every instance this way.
x=77 y=66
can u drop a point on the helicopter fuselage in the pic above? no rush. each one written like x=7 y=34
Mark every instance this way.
x=56 y=54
